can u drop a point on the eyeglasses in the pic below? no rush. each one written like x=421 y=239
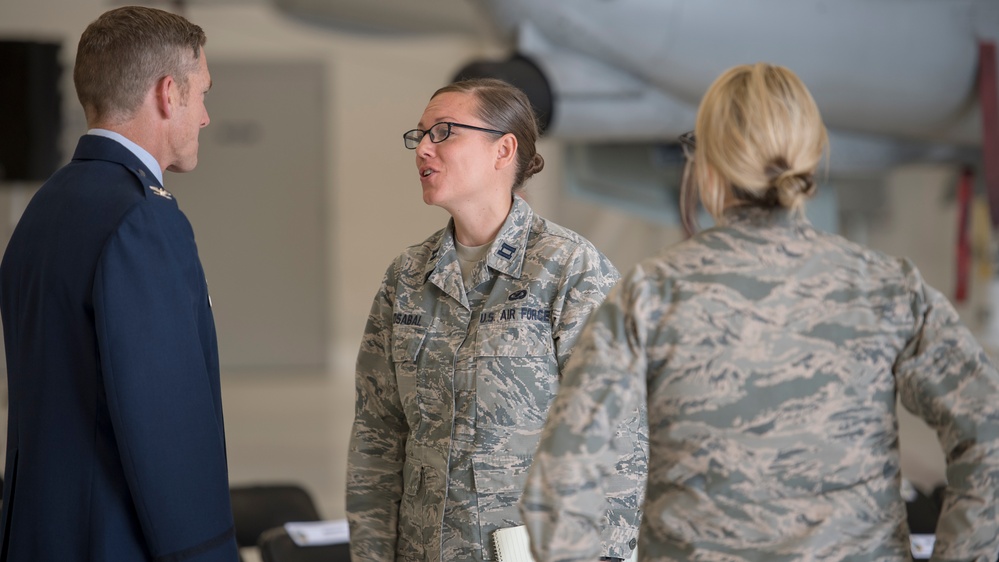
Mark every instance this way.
x=688 y=142
x=439 y=132
x=688 y=192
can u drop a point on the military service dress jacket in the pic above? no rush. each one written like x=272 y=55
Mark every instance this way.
x=770 y=355
x=454 y=385
x=116 y=449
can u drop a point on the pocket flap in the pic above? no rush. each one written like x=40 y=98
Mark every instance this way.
x=514 y=339
x=406 y=342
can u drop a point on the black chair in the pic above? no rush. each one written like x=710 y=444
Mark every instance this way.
x=258 y=508
x=276 y=546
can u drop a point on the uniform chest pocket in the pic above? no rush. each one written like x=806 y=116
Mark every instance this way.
x=516 y=380
x=407 y=343
x=514 y=339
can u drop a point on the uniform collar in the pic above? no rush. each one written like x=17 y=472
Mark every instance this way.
x=100 y=147
x=764 y=216
x=505 y=255
x=141 y=153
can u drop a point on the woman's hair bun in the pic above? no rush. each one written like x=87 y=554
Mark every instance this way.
x=536 y=165
x=790 y=186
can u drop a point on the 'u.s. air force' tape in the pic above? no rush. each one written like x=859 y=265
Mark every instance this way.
x=318 y=533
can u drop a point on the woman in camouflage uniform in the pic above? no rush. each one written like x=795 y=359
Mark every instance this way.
x=770 y=356
x=465 y=344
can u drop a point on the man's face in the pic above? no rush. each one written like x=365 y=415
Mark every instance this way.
x=189 y=117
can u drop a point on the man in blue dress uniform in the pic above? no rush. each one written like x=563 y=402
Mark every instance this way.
x=116 y=447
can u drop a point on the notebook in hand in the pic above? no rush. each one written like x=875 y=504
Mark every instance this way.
x=512 y=544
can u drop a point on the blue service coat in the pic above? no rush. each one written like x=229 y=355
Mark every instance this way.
x=115 y=443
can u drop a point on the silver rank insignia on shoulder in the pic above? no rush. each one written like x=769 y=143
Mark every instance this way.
x=161 y=192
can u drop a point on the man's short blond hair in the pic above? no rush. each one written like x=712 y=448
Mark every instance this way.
x=125 y=52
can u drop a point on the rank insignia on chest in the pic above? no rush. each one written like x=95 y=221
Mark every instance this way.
x=161 y=192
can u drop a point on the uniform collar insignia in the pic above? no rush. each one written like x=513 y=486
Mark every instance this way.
x=506 y=251
x=161 y=192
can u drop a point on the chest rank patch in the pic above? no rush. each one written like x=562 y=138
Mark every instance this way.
x=161 y=192
x=506 y=251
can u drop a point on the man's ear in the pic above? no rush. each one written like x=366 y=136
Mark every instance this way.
x=506 y=151
x=165 y=91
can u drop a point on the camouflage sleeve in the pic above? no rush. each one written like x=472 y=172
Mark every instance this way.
x=945 y=378
x=578 y=463
x=377 y=444
x=589 y=277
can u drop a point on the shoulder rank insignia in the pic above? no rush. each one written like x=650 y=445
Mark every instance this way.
x=161 y=192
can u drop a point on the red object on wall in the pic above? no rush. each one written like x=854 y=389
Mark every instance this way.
x=964 y=195
x=988 y=94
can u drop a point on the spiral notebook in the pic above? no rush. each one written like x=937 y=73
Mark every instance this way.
x=512 y=544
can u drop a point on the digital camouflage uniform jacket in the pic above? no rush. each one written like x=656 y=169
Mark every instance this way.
x=770 y=356
x=453 y=389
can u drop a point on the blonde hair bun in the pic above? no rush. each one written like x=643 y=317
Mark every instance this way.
x=760 y=139
x=792 y=187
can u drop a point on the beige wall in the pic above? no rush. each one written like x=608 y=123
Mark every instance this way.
x=377 y=85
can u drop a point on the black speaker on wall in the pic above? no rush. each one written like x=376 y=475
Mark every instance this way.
x=30 y=110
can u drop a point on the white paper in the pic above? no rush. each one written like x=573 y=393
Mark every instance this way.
x=317 y=533
x=512 y=544
x=922 y=546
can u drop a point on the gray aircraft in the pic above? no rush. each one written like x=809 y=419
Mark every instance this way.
x=898 y=81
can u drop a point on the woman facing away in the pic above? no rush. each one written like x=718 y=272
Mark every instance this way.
x=769 y=355
x=465 y=345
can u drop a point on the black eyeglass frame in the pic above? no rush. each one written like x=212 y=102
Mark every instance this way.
x=688 y=195
x=688 y=142
x=422 y=133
